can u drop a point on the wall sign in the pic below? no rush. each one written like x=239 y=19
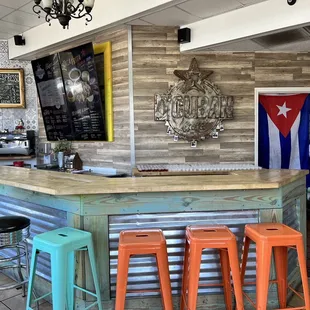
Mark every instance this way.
x=12 y=88
x=193 y=109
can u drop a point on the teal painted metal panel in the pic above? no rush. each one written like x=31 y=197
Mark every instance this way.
x=70 y=204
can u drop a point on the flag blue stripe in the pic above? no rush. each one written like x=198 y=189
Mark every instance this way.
x=263 y=138
x=303 y=135
x=285 y=150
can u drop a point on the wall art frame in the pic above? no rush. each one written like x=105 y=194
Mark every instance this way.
x=12 y=88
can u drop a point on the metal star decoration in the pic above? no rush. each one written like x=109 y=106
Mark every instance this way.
x=193 y=76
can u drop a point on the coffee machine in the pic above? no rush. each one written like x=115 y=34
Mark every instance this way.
x=17 y=143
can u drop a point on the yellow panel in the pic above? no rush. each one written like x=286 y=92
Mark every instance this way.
x=106 y=49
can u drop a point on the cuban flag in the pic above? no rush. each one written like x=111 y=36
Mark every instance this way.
x=284 y=131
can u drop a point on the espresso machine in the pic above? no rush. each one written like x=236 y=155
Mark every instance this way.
x=17 y=143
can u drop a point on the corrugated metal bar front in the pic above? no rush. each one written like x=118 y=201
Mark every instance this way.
x=42 y=219
x=143 y=270
x=290 y=218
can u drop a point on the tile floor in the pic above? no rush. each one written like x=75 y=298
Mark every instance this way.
x=13 y=300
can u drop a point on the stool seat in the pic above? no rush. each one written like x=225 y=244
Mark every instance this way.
x=272 y=232
x=203 y=234
x=10 y=224
x=62 y=237
x=141 y=238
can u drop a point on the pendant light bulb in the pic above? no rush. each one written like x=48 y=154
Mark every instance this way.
x=89 y=3
x=47 y=4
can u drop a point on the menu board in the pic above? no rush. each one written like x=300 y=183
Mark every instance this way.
x=12 y=88
x=83 y=92
x=69 y=94
x=55 y=113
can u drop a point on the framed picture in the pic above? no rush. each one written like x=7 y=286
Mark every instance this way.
x=12 y=88
x=103 y=59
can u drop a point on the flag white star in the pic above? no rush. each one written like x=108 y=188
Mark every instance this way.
x=283 y=110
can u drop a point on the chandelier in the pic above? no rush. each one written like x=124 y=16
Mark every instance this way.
x=64 y=10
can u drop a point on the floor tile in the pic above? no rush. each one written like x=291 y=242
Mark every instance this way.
x=9 y=293
x=3 y=307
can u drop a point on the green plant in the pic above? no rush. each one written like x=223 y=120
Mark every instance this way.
x=62 y=146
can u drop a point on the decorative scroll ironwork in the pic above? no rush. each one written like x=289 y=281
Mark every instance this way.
x=193 y=109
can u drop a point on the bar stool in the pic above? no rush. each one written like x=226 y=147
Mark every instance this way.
x=218 y=237
x=14 y=230
x=278 y=237
x=61 y=244
x=142 y=242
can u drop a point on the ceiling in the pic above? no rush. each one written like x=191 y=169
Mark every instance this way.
x=191 y=11
x=16 y=16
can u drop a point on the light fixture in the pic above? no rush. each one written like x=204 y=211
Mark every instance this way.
x=64 y=10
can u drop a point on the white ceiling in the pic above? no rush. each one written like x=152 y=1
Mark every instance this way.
x=191 y=11
x=16 y=16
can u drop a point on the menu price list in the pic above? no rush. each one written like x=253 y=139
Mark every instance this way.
x=83 y=93
x=9 y=88
x=69 y=93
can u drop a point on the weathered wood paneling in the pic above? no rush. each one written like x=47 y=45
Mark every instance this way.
x=109 y=154
x=155 y=57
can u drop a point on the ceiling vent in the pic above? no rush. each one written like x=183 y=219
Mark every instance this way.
x=284 y=38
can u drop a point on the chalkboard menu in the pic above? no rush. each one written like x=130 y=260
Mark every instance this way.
x=12 y=88
x=69 y=94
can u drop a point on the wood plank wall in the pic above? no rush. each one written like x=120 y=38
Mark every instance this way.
x=113 y=154
x=156 y=55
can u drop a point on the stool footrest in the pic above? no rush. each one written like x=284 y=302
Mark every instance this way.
x=90 y=306
x=11 y=286
x=85 y=291
x=42 y=297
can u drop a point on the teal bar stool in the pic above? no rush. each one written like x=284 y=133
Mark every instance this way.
x=61 y=244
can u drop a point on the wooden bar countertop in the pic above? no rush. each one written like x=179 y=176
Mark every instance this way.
x=57 y=183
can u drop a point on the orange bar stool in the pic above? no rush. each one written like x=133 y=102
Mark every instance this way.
x=199 y=238
x=278 y=237
x=142 y=242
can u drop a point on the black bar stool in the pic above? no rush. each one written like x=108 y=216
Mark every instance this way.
x=14 y=231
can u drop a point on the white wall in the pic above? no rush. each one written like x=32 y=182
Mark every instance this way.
x=106 y=14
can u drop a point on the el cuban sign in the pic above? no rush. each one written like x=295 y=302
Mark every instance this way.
x=193 y=109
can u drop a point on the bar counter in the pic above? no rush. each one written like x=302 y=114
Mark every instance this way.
x=106 y=206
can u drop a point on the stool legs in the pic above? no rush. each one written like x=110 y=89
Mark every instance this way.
x=31 y=276
x=245 y=255
x=303 y=272
x=59 y=274
x=235 y=272
x=164 y=278
x=185 y=277
x=225 y=267
x=281 y=264
x=194 y=272
x=122 y=278
x=263 y=261
x=91 y=254
x=71 y=281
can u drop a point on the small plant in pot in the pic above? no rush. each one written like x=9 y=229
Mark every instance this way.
x=62 y=148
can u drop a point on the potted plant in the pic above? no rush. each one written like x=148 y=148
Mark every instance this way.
x=61 y=148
